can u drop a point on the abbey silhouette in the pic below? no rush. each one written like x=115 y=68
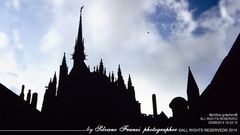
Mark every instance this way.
x=84 y=97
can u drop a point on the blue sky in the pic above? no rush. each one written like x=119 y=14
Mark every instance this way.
x=198 y=7
x=154 y=41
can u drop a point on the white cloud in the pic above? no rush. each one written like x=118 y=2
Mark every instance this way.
x=14 y=4
x=8 y=60
x=3 y=40
x=120 y=30
x=17 y=39
x=50 y=41
x=8 y=68
x=117 y=31
x=185 y=23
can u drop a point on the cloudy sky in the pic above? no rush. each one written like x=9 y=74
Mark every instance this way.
x=153 y=40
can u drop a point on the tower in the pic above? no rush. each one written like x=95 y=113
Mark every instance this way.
x=192 y=91
x=79 y=55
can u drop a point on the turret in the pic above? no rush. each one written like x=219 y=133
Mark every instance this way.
x=22 y=92
x=28 y=96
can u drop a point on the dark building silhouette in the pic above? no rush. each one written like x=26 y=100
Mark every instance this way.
x=192 y=92
x=221 y=95
x=193 y=99
x=16 y=113
x=89 y=97
x=82 y=98
x=180 y=112
x=34 y=100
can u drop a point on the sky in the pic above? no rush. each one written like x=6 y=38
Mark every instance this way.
x=154 y=40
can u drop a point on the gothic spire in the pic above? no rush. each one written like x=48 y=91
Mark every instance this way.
x=64 y=63
x=192 y=87
x=63 y=67
x=101 y=68
x=119 y=72
x=80 y=37
x=63 y=73
x=129 y=81
x=55 y=78
x=192 y=90
x=131 y=89
x=79 y=55
x=120 y=80
x=50 y=82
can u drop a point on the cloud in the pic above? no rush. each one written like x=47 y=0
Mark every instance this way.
x=120 y=30
x=17 y=39
x=7 y=57
x=123 y=32
x=14 y=4
x=3 y=40
x=50 y=41
x=8 y=68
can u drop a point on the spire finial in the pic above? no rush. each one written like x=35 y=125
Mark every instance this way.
x=81 y=10
x=64 y=59
x=101 y=67
x=129 y=81
x=119 y=68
